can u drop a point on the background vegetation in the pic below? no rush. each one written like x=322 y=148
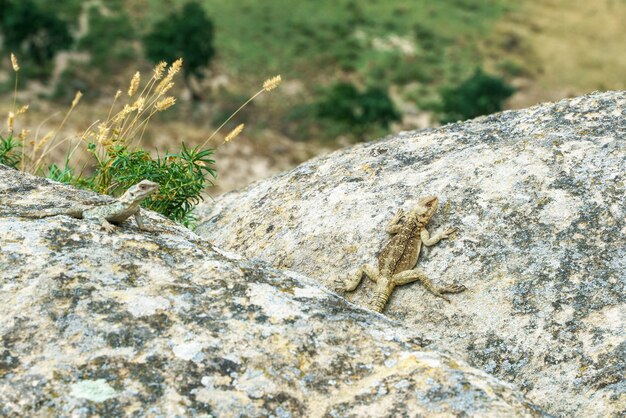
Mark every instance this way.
x=353 y=70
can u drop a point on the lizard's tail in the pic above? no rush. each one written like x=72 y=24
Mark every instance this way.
x=379 y=300
x=45 y=213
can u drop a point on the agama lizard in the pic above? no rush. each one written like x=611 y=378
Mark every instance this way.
x=108 y=214
x=398 y=258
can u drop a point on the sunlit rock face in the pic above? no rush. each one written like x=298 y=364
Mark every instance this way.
x=538 y=199
x=165 y=324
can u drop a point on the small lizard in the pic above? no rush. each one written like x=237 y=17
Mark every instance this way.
x=398 y=258
x=108 y=214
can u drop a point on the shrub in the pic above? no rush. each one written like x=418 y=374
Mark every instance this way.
x=182 y=177
x=33 y=32
x=377 y=108
x=187 y=34
x=357 y=111
x=108 y=39
x=340 y=104
x=481 y=94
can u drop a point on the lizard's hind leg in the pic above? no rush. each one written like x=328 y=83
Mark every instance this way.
x=353 y=280
x=409 y=276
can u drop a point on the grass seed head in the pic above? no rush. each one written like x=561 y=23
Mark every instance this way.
x=44 y=140
x=234 y=133
x=10 y=121
x=23 y=134
x=139 y=104
x=134 y=84
x=165 y=103
x=14 y=63
x=271 y=83
x=76 y=98
x=166 y=83
x=158 y=70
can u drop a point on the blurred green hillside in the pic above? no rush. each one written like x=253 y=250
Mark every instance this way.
x=352 y=70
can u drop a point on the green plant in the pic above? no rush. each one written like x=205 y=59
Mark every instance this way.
x=340 y=104
x=113 y=152
x=10 y=153
x=34 y=32
x=187 y=34
x=481 y=94
x=108 y=38
x=377 y=108
x=182 y=177
x=356 y=111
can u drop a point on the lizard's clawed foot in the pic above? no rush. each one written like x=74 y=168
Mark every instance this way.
x=453 y=288
x=339 y=285
x=447 y=232
x=108 y=227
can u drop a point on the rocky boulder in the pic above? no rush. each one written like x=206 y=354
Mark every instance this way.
x=164 y=324
x=538 y=199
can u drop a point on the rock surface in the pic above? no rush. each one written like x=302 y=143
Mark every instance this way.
x=164 y=324
x=538 y=197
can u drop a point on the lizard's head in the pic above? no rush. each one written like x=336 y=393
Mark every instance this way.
x=139 y=191
x=426 y=207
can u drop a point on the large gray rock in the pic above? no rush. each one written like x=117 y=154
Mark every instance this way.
x=164 y=324
x=538 y=197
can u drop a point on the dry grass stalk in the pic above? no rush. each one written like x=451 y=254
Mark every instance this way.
x=23 y=135
x=44 y=141
x=158 y=70
x=234 y=133
x=166 y=83
x=268 y=85
x=77 y=98
x=272 y=83
x=10 y=121
x=134 y=84
x=165 y=104
x=14 y=63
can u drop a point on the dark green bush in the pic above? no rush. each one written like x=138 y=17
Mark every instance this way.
x=187 y=34
x=34 y=34
x=481 y=94
x=108 y=39
x=357 y=111
x=340 y=103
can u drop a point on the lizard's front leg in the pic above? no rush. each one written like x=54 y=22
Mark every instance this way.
x=140 y=224
x=428 y=240
x=354 y=279
x=106 y=225
x=409 y=276
x=393 y=227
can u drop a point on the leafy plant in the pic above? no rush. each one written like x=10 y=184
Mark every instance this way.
x=108 y=38
x=481 y=94
x=34 y=32
x=182 y=177
x=10 y=154
x=357 y=111
x=187 y=34
x=340 y=103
